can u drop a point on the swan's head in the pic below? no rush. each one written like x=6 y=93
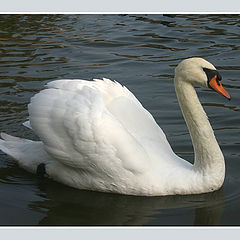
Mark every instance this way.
x=200 y=72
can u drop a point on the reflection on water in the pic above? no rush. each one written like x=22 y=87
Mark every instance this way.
x=141 y=52
x=92 y=208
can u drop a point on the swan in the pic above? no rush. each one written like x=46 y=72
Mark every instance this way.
x=96 y=135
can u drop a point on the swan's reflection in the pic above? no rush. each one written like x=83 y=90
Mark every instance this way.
x=67 y=206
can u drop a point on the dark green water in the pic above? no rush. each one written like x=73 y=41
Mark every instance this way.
x=141 y=52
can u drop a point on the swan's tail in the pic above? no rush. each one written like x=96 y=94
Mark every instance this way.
x=29 y=154
x=12 y=145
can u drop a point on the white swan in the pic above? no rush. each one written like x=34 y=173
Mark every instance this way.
x=96 y=135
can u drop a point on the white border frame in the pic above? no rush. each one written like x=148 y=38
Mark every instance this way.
x=118 y=233
x=126 y=7
x=120 y=6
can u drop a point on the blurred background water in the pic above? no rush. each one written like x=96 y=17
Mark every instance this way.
x=141 y=52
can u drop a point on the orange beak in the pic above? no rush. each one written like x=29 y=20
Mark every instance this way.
x=217 y=86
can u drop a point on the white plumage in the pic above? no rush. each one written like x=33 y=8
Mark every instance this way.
x=96 y=135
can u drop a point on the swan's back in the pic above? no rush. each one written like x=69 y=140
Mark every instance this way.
x=86 y=123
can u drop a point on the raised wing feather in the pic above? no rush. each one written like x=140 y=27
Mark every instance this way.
x=90 y=124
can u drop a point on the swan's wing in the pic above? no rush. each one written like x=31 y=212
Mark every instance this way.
x=121 y=103
x=87 y=124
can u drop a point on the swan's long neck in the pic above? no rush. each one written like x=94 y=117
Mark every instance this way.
x=209 y=160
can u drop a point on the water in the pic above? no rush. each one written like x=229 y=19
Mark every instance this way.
x=141 y=52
